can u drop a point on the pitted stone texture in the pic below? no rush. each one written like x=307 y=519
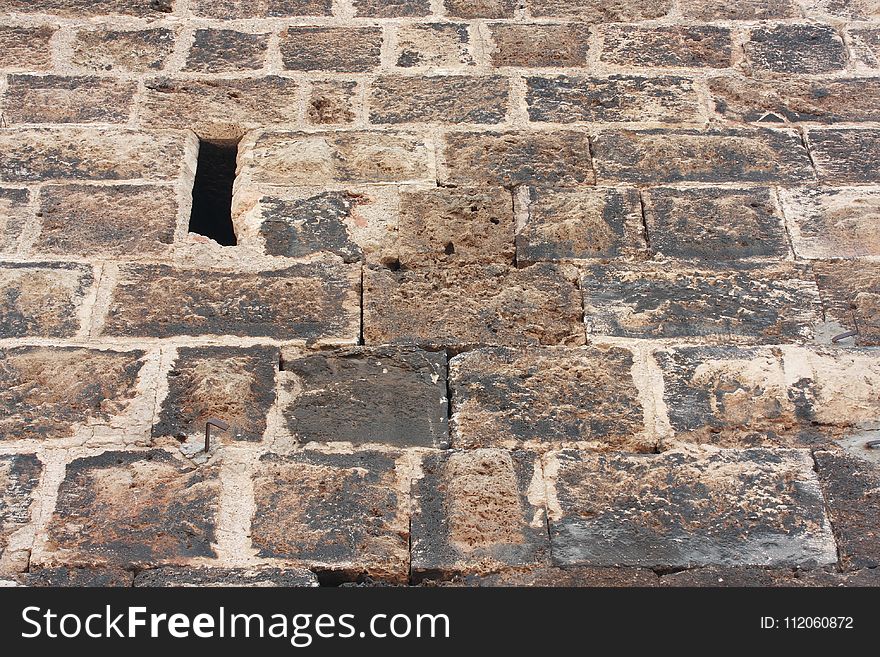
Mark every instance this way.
x=472 y=305
x=392 y=8
x=461 y=225
x=570 y=224
x=260 y=8
x=57 y=99
x=343 y=513
x=789 y=48
x=712 y=224
x=438 y=99
x=602 y=11
x=841 y=389
x=539 y=45
x=123 y=50
x=14 y=214
x=567 y=577
x=42 y=299
x=866 y=44
x=852 y=9
x=313 y=301
x=755 y=576
x=846 y=156
x=681 y=509
x=772 y=303
x=219 y=108
x=34 y=155
x=443 y=45
x=236 y=384
x=324 y=158
x=481 y=8
x=219 y=51
x=49 y=392
x=511 y=159
x=19 y=476
x=331 y=102
x=852 y=491
x=833 y=223
x=618 y=98
x=477 y=512
x=742 y=10
x=77 y=577
x=772 y=99
x=175 y=576
x=338 y=49
x=26 y=48
x=76 y=8
x=117 y=220
x=690 y=47
x=540 y=397
x=851 y=296
x=133 y=509
x=361 y=396
x=701 y=156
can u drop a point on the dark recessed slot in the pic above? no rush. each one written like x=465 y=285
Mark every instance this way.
x=212 y=192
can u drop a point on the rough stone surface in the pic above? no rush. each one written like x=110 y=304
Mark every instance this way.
x=751 y=576
x=175 y=576
x=259 y=8
x=77 y=577
x=315 y=302
x=86 y=8
x=742 y=10
x=851 y=296
x=234 y=384
x=481 y=8
x=773 y=303
x=331 y=102
x=445 y=45
x=387 y=396
x=392 y=8
x=690 y=47
x=123 y=50
x=602 y=11
x=115 y=220
x=538 y=397
x=455 y=98
x=14 y=213
x=568 y=577
x=25 y=47
x=711 y=224
x=42 y=299
x=48 y=392
x=846 y=156
x=56 y=99
x=833 y=223
x=339 y=49
x=129 y=509
x=790 y=48
x=217 y=51
x=338 y=513
x=618 y=98
x=707 y=156
x=539 y=45
x=680 y=509
x=866 y=43
x=19 y=476
x=472 y=304
x=478 y=511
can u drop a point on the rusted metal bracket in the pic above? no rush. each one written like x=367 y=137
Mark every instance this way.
x=213 y=422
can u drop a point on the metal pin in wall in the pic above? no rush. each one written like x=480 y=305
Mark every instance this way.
x=213 y=422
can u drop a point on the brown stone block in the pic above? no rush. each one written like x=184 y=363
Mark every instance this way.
x=850 y=293
x=42 y=299
x=866 y=44
x=26 y=48
x=140 y=8
x=674 y=46
x=19 y=477
x=791 y=48
x=260 y=8
x=742 y=10
x=14 y=214
x=182 y=576
x=846 y=156
x=444 y=45
x=62 y=576
x=221 y=51
x=543 y=397
x=753 y=576
x=438 y=99
x=602 y=11
x=539 y=45
x=332 y=102
x=392 y=8
x=57 y=99
x=339 y=49
x=481 y=8
x=123 y=50
x=564 y=577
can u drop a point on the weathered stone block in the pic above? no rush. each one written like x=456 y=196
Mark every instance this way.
x=713 y=224
x=260 y=8
x=218 y=107
x=774 y=303
x=836 y=389
x=680 y=509
x=866 y=44
x=62 y=576
x=547 y=397
x=321 y=158
x=567 y=577
x=123 y=50
x=19 y=476
x=443 y=45
x=455 y=225
x=833 y=223
x=438 y=99
x=685 y=46
x=478 y=512
x=851 y=296
x=392 y=8
x=42 y=299
x=578 y=223
x=481 y=8
x=343 y=513
x=777 y=98
x=236 y=384
x=386 y=395
x=510 y=159
x=846 y=156
x=26 y=48
x=140 y=8
x=340 y=49
x=742 y=10
x=40 y=154
x=177 y=576
x=49 y=392
x=314 y=301
x=472 y=305
x=602 y=11
x=701 y=156
x=331 y=102
x=852 y=9
x=57 y=99
x=562 y=99
x=115 y=220
x=14 y=214
x=131 y=508
x=756 y=576
x=791 y=48
x=218 y=51
x=539 y=45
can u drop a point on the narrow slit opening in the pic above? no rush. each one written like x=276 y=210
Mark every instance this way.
x=211 y=214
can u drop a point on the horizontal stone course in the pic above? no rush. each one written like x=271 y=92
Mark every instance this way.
x=42 y=299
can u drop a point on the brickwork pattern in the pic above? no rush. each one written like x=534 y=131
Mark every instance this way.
x=536 y=292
